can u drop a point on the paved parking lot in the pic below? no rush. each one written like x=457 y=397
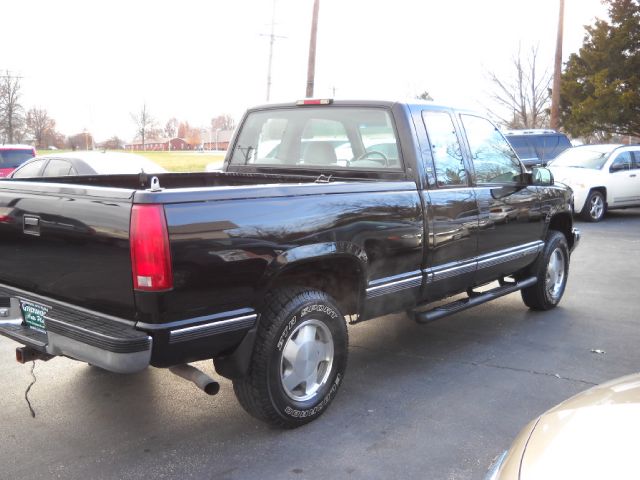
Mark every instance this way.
x=435 y=401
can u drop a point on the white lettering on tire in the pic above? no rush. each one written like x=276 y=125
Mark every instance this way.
x=292 y=412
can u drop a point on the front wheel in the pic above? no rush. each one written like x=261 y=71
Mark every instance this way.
x=594 y=208
x=299 y=358
x=552 y=270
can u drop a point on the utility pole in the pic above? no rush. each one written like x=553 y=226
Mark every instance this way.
x=311 y=69
x=557 y=73
x=271 y=40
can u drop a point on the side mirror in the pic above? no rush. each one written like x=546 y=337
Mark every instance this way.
x=542 y=176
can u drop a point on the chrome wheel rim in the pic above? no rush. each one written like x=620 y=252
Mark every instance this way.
x=306 y=361
x=555 y=274
x=596 y=207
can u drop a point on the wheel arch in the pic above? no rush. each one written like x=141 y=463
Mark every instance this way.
x=602 y=189
x=563 y=222
x=338 y=270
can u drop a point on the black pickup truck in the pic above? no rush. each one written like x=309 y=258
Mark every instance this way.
x=325 y=211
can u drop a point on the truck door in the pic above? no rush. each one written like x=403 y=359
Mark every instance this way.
x=451 y=212
x=510 y=220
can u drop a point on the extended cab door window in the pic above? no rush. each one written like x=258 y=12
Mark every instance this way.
x=445 y=149
x=493 y=158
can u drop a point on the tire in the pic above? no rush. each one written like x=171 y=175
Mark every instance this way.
x=552 y=271
x=299 y=359
x=595 y=207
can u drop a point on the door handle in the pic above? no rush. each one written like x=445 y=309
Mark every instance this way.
x=31 y=225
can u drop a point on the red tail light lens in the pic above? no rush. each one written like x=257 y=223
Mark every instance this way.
x=150 y=255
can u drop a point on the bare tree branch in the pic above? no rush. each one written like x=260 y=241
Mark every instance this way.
x=525 y=96
x=144 y=123
x=11 y=112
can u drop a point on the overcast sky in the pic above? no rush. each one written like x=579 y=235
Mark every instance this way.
x=91 y=63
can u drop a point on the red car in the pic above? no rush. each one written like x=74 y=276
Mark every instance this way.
x=12 y=156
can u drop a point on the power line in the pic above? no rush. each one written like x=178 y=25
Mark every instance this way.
x=272 y=38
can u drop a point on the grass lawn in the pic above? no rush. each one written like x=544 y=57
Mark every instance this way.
x=179 y=161
x=175 y=161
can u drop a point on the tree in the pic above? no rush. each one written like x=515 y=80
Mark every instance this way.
x=223 y=122
x=41 y=127
x=600 y=89
x=171 y=128
x=114 y=143
x=424 y=96
x=525 y=96
x=144 y=123
x=190 y=134
x=80 y=141
x=11 y=112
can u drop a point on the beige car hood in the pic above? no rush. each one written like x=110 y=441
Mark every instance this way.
x=593 y=435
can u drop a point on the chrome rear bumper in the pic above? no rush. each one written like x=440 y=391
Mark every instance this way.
x=107 y=342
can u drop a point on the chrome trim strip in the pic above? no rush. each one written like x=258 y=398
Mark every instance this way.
x=195 y=321
x=395 y=283
x=394 y=287
x=210 y=329
x=442 y=272
x=393 y=278
x=449 y=270
x=509 y=256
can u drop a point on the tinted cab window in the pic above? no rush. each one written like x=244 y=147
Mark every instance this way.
x=493 y=158
x=336 y=138
x=445 y=149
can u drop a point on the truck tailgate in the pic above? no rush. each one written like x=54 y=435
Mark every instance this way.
x=69 y=243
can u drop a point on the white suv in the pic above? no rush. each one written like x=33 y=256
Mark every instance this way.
x=603 y=177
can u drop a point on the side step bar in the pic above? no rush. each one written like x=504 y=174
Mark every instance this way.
x=474 y=299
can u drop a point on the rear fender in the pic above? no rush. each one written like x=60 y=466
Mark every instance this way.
x=307 y=264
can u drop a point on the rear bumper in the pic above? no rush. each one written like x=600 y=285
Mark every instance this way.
x=107 y=342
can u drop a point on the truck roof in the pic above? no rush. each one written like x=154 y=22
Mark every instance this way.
x=382 y=102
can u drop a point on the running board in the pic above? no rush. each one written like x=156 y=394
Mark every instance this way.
x=473 y=300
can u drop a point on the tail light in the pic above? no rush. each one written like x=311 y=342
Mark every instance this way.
x=150 y=255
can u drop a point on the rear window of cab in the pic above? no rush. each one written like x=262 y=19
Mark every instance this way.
x=328 y=138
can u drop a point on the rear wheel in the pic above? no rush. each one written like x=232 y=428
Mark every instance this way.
x=595 y=206
x=299 y=359
x=552 y=270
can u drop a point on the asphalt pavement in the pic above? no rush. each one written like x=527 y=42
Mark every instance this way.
x=436 y=401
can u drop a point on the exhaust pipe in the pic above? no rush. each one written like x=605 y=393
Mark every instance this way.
x=28 y=354
x=203 y=381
